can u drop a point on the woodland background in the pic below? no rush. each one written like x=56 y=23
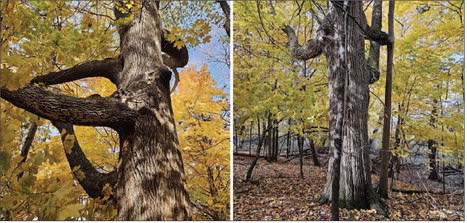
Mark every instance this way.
x=283 y=103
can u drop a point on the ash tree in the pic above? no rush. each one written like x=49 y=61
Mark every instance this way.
x=149 y=183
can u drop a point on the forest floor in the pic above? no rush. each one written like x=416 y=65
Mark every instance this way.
x=276 y=192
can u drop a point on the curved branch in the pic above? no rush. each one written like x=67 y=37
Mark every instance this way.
x=91 y=111
x=313 y=48
x=377 y=35
x=108 y=68
x=174 y=56
x=93 y=181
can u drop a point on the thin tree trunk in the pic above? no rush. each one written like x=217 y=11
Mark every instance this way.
x=236 y=140
x=313 y=153
x=300 y=151
x=261 y=137
x=251 y=131
x=383 y=180
x=432 y=146
x=288 y=141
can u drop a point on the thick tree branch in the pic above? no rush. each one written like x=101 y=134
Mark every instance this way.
x=93 y=181
x=91 y=111
x=108 y=68
x=312 y=49
x=226 y=9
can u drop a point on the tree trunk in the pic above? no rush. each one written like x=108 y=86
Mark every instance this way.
x=351 y=129
x=433 y=170
x=300 y=151
x=261 y=137
x=432 y=145
x=150 y=182
x=385 y=153
x=288 y=142
x=313 y=153
x=269 y=138
x=251 y=131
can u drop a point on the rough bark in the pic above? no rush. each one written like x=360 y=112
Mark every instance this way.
x=385 y=153
x=350 y=130
x=91 y=111
x=151 y=182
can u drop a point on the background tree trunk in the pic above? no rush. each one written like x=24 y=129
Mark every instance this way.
x=313 y=153
x=300 y=151
x=385 y=153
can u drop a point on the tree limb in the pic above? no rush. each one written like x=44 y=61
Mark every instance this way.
x=174 y=56
x=226 y=9
x=108 y=68
x=93 y=181
x=313 y=48
x=377 y=35
x=91 y=111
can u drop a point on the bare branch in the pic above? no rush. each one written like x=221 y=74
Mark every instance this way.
x=108 y=68
x=93 y=181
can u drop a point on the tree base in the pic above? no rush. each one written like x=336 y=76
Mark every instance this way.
x=374 y=202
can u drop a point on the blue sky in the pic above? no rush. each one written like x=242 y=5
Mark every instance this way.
x=207 y=53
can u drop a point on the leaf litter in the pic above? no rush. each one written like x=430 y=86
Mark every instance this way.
x=276 y=192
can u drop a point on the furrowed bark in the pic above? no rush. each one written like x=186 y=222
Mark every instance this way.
x=151 y=182
x=107 y=68
x=94 y=181
x=94 y=111
x=348 y=133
